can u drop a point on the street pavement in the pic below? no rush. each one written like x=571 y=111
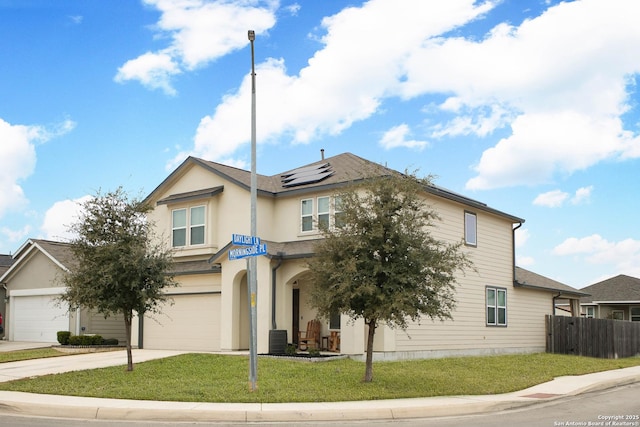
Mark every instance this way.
x=121 y=409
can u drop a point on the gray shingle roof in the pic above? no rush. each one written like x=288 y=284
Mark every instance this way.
x=60 y=251
x=619 y=288
x=529 y=279
x=347 y=168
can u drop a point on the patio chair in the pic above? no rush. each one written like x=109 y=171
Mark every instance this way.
x=310 y=338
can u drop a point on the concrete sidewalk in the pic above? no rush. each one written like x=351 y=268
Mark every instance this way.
x=120 y=409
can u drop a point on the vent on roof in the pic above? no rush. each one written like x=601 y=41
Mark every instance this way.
x=306 y=175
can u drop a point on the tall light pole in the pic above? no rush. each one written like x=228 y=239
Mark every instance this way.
x=252 y=262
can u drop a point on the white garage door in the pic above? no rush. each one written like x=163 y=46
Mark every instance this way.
x=37 y=318
x=191 y=323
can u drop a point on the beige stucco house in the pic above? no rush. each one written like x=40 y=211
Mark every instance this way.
x=201 y=204
x=32 y=287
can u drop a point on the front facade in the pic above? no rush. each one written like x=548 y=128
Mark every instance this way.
x=616 y=298
x=201 y=204
x=33 y=313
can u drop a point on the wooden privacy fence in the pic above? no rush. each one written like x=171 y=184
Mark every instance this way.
x=604 y=338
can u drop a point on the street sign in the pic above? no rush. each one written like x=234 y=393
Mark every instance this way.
x=244 y=240
x=248 y=251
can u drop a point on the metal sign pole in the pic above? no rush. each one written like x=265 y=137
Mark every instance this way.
x=252 y=262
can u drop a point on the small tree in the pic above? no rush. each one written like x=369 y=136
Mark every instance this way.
x=379 y=261
x=119 y=268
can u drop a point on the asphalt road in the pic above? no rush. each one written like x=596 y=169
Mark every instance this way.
x=619 y=406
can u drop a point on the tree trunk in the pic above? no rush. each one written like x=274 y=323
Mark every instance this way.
x=127 y=328
x=368 y=372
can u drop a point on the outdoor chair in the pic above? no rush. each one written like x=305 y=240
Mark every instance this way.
x=310 y=338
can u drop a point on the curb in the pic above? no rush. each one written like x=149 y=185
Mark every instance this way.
x=19 y=403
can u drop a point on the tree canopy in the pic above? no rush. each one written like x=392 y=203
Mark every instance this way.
x=378 y=261
x=120 y=266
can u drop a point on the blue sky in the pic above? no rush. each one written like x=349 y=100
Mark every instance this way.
x=530 y=106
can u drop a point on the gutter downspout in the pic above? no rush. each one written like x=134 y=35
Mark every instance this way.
x=273 y=290
x=513 y=249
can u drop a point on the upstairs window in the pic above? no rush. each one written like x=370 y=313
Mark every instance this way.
x=179 y=228
x=323 y=212
x=192 y=219
x=306 y=209
x=496 y=307
x=326 y=212
x=470 y=229
x=197 y=225
x=338 y=213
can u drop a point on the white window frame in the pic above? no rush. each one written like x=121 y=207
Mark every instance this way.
x=470 y=234
x=174 y=228
x=336 y=210
x=188 y=227
x=305 y=216
x=590 y=312
x=323 y=214
x=496 y=306
x=193 y=226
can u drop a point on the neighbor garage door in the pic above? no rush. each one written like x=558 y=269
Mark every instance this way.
x=37 y=318
x=191 y=323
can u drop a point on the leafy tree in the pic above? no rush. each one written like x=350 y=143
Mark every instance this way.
x=379 y=261
x=120 y=267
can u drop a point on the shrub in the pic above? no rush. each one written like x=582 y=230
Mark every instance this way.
x=313 y=351
x=85 y=340
x=63 y=337
x=291 y=350
x=110 y=341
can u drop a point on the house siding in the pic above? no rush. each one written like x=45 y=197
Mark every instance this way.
x=279 y=220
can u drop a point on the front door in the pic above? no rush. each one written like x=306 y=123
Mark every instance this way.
x=295 y=321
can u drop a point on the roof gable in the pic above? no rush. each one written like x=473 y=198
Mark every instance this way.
x=618 y=288
x=58 y=252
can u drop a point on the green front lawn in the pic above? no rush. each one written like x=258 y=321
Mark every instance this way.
x=37 y=353
x=219 y=378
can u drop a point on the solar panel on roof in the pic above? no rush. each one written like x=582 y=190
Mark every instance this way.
x=306 y=175
x=306 y=169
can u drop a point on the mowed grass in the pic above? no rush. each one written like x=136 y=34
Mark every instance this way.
x=38 y=353
x=220 y=378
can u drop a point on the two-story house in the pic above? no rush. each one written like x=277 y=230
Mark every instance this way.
x=201 y=204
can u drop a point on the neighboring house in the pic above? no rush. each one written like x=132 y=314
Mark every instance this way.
x=201 y=204
x=615 y=298
x=565 y=301
x=5 y=263
x=32 y=287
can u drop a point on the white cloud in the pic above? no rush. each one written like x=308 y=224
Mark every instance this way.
x=551 y=199
x=583 y=195
x=522 y=237
x=557 y=83
x=623 y=256
x=200 y=32
x=153 y=70
x=18 y=158
x=344 y=82
x=525 y=261
x=397 y=137
x=15 y=236
x=557 y=198
x=60 y=216
x=567 y=113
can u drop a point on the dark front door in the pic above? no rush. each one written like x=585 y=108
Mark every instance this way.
x=295 y=321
